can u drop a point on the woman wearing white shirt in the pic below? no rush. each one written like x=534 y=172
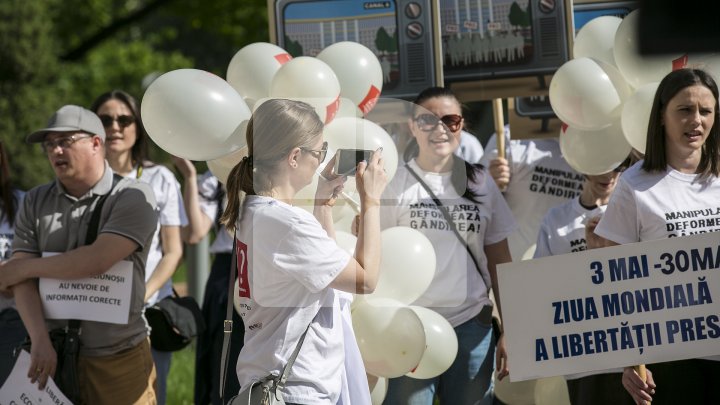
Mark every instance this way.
x=679 y=173
x=289 y=265
x=126 y=151
x=459 y=290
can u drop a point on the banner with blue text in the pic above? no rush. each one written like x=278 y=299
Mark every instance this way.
x=640 y=303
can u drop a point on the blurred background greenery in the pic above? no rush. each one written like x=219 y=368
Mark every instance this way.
x=56 y=52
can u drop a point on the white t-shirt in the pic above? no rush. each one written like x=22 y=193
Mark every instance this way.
x=171 y=212
x=285 y=263
x=457 y=291
x=539 y=179
x=208 y=188
x=6 y=237
x=655 y=205
x=470 y=148
x=563 y=229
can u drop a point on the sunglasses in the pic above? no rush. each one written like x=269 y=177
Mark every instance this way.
x=322 y=152
x=122 y=120
x=428 y=122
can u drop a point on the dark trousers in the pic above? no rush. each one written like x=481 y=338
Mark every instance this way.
x=209 y=343
x=600 y=389
x=12 y=334
x=686 y=382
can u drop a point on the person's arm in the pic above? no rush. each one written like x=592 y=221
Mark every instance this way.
x=199 y=224
x=498 y=253
x=500 y=171
x=43 y=359
x=361 y=274
x=84 y=261
x=641 y=391
x=172 y=252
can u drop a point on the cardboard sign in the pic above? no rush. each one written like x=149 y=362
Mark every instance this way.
x=103 y=298
x=18 y=390
x=640 y=303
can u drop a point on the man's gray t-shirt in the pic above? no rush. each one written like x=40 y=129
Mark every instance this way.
x=51 y=220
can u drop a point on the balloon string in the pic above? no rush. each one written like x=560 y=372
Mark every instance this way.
x=353 y=204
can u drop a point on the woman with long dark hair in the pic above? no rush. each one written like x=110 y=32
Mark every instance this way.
x=679 y=173
x=126 y=145
x=434 y=179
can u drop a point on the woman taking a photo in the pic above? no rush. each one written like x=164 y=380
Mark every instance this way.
x=433 y=181
x=289 y=266
x=679 y=173
x=126 y=151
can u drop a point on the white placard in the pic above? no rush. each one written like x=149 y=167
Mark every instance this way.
x=18 y=390
x=103 y=298
x=600 y=309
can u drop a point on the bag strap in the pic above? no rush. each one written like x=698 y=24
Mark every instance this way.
x=450 y=222
x=92 y=231
x=228 y=326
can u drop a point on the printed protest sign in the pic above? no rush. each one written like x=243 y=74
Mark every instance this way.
x=102 y=298
x=600 y=309
x=18 y=390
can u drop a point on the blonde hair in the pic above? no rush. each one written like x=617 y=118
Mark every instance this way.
x=277 y=127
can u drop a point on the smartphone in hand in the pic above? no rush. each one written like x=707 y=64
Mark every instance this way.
x=347 y=160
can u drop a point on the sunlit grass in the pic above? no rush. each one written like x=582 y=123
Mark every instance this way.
x=181 y=380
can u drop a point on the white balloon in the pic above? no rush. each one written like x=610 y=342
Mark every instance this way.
x=358 y=70
x=552 y=391
x=587 y=93
x=358 y=133
x=407 y=265
x=635 y=115
x=194 y=114
x=222 y=166
x=252 y=68
x=311 y=80
x=638 y=69
x=597 y=38
x=594 y=152
x=441 y=344
x=346 y=241
x=378 y=388
x=390 y=337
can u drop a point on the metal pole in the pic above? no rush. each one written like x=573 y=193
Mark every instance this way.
x=197 y=261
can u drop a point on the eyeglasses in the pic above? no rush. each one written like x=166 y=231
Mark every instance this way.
x=122 y=120
x=322 y=152
x=63 y=143
x=428 y=122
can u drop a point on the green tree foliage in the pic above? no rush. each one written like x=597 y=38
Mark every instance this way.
x=294 y=48
x=384 y=42
x=55 y=52
x=519 y=17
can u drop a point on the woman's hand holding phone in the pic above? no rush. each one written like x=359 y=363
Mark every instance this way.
x=371 y=179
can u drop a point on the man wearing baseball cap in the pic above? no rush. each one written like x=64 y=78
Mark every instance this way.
x=59 y=272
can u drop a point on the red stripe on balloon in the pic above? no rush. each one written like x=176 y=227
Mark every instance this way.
x=680 y=63
x=564 y=127
x=331 y=110
x=283 y=58
x=368 y=103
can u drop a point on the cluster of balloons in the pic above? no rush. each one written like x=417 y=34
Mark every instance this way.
x=199 y=116
x=604 y=95
x=394 y=337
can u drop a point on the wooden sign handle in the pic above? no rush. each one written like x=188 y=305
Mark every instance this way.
x=499 y=120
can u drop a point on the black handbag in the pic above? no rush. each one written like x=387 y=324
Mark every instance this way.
x=174 y=321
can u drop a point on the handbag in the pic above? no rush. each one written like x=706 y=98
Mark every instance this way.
x=66 y=341
x=174 y=321
x=267 y=390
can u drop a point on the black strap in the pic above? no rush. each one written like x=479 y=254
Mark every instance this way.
x=227 y=330
x=92 y=231
x=451 y=223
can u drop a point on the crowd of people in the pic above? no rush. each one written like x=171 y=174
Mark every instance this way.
x=110 y=210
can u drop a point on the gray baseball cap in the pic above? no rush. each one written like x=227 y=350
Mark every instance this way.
x=70 y=118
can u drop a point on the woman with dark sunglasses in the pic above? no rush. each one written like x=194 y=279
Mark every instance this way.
x=290 y=269
x=460 y=289
x=126 y=150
